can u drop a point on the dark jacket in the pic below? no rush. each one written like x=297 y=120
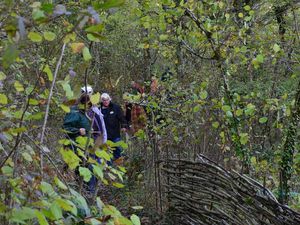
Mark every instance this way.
x=114 y=120
x=75 y=120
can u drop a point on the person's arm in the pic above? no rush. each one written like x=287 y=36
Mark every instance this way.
x=104 y=132
x=100 y=123
x=70 y=121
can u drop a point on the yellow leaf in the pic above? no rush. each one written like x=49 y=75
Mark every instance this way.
x=35 y=37
x=47 y=70
x=18 y=86
x=65 y=108
x=118 y=185
x=3 y=99
x=49 y=36
x=95 y=98
x=77 y=47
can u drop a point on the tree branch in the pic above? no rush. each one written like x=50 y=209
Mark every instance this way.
x=49 y=101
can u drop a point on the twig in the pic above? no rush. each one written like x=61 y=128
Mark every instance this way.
x=48 y=103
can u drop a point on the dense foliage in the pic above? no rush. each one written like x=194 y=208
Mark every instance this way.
x=227 y=76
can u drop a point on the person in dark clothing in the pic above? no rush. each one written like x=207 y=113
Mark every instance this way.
x=76 y=123
x=84 y=119
x=114 y=122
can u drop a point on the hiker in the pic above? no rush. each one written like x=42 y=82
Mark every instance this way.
x=83 y=114
x=135 y=112
x=114 y=121
x=76 y=123
x=85 y=120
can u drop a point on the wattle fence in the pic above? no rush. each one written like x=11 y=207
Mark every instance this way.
x=202 y=192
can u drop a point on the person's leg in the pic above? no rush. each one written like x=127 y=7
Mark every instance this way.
x=118 y=151
x=93 y=181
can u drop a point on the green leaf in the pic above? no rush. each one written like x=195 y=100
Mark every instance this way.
x=196 y=108
x=247 y=7
x=244 y=138
x=7 y=170
x=49 y=36
x=163 y=37
x=18 y=86
x=41 y=218
x=82 y=141
x=85 y=173
x=2 y=76
x=38 y=14
x=122 y=220
x=203 y=95
x=93 y=38
x=47 y=188
x=70 y=37
x=3 y=99
x=20 y=215
x=65 y=108
x=135 y=219
x=255 y=63
x=108 y=4
x=260 y=58
x=250 y=109
x=263 y=119
x=80 y=202
x=253 y=160
x=56 y=211
x=66 y=205
x=27 y=156
x=86 y=54
x=122 y=144
x=118 y=185
x=35 y=37
x=33 y=101
x=98 y=171
x=95 y=98
x=70 y=158
x=94 y=221
x=47 y=70
x=67 y=88
x=103 y=154
x=60 y=184
x=239 y=112
x=111 y=210
x=276 y=48
x=215 y=124
x=229 y=114
x=47 y=7
x=226 y=108
x=95 y=28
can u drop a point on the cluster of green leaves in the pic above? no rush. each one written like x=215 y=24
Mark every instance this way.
x=229 y=86
x=35 y=37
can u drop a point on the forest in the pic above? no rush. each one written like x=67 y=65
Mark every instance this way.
x=216 y=134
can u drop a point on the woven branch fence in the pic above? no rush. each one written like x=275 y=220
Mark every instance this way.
x=202 y=192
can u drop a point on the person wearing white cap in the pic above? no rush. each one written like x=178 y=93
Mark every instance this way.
x=114 y=121
x=84 y=119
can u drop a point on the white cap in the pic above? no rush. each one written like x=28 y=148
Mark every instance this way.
x=105 y=96
x=87 y=89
